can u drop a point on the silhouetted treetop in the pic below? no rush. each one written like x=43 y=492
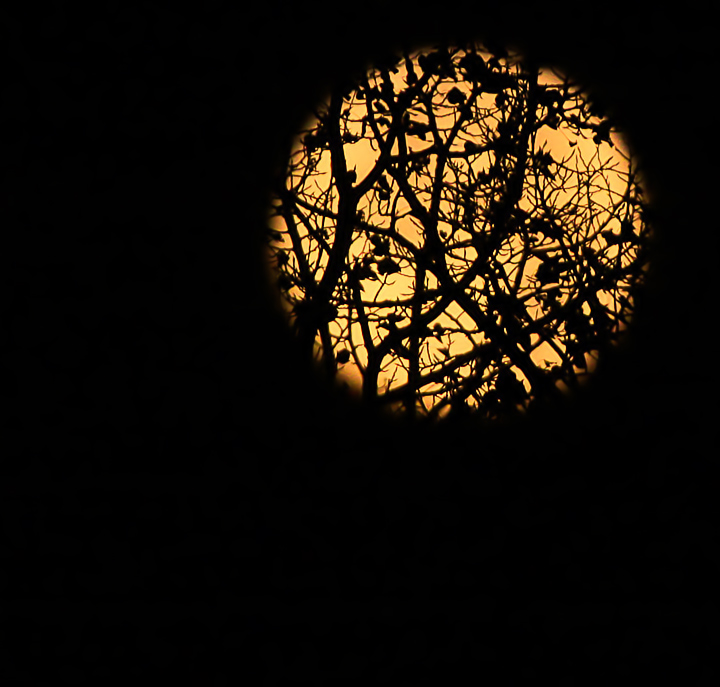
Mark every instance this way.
x=456 y=230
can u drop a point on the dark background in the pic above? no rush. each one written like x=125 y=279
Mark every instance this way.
x=180 y=496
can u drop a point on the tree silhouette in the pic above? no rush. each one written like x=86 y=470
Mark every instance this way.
x=458 y=230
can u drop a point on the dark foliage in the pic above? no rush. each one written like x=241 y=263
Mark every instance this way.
x=517 y=252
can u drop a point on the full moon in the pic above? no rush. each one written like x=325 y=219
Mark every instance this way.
x=457 y=231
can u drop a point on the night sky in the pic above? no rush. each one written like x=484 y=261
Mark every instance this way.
x=179 y=492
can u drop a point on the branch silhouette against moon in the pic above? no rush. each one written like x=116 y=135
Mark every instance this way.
x=458 y=231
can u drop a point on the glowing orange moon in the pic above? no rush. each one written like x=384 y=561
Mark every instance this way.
x=578 y=177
